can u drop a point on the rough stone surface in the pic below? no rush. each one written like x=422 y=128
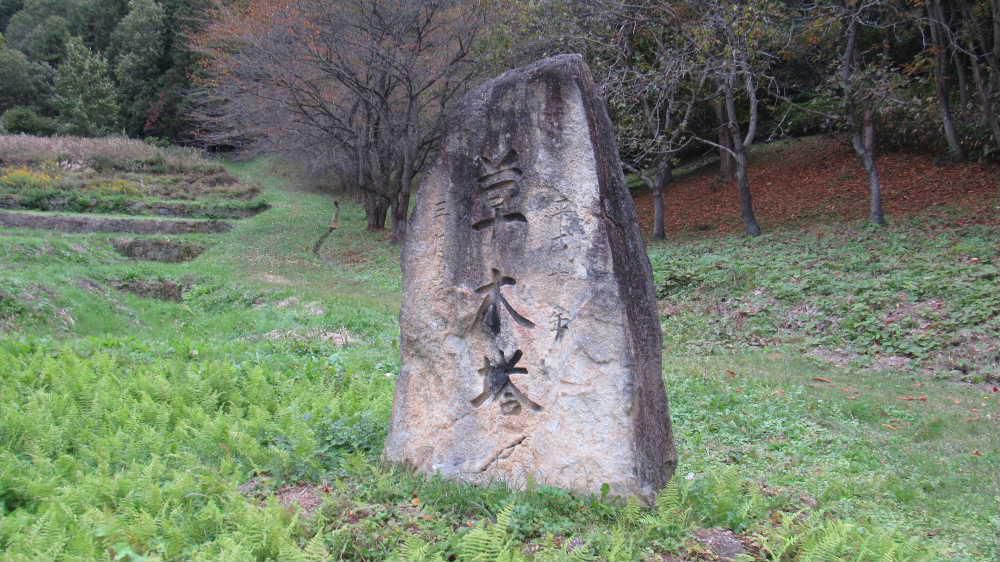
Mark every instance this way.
x=530 y=338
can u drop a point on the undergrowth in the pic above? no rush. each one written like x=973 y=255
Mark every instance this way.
x=138 y=429
x=921 y=296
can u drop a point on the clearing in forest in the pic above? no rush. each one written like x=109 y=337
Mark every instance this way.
x=234 y=407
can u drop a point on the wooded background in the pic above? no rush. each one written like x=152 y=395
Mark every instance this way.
x=357 y=92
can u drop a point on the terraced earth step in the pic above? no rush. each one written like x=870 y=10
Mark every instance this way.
x=154 y=208
x=157 y=249
x=96 y=223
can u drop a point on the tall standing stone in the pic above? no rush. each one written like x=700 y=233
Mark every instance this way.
x=530 y=337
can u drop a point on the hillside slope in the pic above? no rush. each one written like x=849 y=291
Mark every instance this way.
x=819 y=179
x=233 y=407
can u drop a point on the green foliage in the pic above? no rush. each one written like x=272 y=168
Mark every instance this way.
x=24 y=120
x=816 y=539
x=41 y=28
x=85 y=97
x=491 y=542
x=872 y=292
x=138 y=41
x=7 y=9
x=47 y=41
x=174 y=431
x=24 y=179
x=25 y=83
x=144 y=44
x=723 y=499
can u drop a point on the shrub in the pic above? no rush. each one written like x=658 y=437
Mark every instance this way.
x=116 y=187
x=26 y=179
x=25 y=120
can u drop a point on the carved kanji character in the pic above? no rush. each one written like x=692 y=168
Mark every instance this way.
x=494 y=302
x=498 y=386
x=500 y=180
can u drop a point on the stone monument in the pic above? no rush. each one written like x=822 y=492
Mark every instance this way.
x=530 y=337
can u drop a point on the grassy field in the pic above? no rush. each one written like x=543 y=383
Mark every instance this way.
x=832 y=392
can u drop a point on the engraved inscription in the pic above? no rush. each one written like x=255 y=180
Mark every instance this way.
x=498 y=386
x=500 y=180
x=495 y=301
x=499 y=183
x=560 y=323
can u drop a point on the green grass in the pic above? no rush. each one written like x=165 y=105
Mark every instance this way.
x=128 y=425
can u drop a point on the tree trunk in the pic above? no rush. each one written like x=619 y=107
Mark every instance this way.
x=947 y=120
x=941 y=78
x=985 y=100
x=984 y=85
x=993 y=55
x=726 y=163
x=400 y=213
x=863 y=130
x=742 y=166
x=963 y=82
x=376 y=209
x=863 y=140
x=937 y=28
x=663 y=178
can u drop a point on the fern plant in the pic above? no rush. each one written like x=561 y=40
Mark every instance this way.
x=416 y=549
x=491 y=543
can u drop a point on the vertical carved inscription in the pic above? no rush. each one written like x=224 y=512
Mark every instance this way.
x=499 y=183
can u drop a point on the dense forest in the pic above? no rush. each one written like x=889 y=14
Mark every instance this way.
x=97 y=67
x=357 y=92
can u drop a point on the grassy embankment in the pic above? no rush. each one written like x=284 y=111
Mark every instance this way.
x=245 y=421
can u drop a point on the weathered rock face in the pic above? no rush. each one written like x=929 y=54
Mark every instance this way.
x=530 y=339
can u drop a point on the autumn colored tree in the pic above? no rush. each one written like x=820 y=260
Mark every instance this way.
x=737 y=44
x=652 y=85
x=368 y=83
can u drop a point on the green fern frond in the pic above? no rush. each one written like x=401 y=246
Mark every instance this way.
x=826 y=546
x=631 y=514
x=670 y=501
x=315 y=550
x=490 y=543
x=479 y=545
x=504 y=519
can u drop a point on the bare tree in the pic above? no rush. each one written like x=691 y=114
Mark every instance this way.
x=652 y=86
x=979 y=40
x=940 y=45
x=736 y=43
x=694 y=55
x=859 y=101
x=367 y=83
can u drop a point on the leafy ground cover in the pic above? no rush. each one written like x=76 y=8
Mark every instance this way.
x=244 y=421
x=802 y=181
